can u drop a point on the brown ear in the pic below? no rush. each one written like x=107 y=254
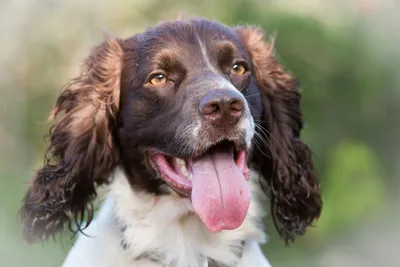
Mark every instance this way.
x=285 y=162
x=81 y=150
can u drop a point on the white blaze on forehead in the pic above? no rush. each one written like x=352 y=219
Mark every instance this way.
x=221 y=83
x=247 y=123
x=205 y=56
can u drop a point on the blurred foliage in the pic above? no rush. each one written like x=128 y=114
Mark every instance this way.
x=353 y=173
x=349 y=101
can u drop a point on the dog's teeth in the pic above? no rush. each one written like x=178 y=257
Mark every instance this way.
x=182 y=165
x=180 y=162
x=184 y=171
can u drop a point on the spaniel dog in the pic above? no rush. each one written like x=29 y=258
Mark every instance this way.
x=187 y=126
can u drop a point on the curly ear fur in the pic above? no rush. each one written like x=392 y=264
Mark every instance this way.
x=286 y=164
x=81 y=150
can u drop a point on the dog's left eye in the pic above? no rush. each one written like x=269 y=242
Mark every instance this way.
x=158 y=79
x=238 y=69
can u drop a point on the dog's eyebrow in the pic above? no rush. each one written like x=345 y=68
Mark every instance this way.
x=226 y=45
x=167 y=60
x=163 y=54
x=226 y=50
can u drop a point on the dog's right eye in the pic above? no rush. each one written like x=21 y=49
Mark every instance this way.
x=158 y=80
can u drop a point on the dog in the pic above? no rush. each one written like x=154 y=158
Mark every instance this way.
x=190 y=127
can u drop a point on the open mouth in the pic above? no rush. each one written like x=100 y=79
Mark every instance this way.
x=215 y=182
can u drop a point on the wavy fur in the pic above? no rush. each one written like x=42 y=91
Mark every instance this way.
x=81 y=150
x=288 y=176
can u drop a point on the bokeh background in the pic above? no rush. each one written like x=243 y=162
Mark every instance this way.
x=345 y=53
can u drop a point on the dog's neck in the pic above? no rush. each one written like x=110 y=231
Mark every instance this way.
x=166 y=229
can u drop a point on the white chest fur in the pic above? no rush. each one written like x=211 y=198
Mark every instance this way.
x=142 y=230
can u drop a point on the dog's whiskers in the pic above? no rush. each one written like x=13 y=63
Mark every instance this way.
x=264 y=135
x=256 y=94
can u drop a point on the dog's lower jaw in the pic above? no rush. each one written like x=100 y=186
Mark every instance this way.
x=166 y=228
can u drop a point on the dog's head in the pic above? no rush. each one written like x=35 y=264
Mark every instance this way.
x=184 y=108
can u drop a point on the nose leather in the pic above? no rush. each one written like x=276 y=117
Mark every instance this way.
x=222 y=108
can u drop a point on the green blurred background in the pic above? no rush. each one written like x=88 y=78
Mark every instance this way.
x=345 y=53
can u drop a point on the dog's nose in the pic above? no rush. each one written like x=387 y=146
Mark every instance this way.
x=222 y=107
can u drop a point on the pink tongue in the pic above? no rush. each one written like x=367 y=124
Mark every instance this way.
x=220 y=195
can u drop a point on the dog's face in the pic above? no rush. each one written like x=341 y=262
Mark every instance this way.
x=187 y=89
x=185 y=112
x=185 y=108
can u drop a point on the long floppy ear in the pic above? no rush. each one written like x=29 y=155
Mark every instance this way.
x=81 y=151
x=288 y=176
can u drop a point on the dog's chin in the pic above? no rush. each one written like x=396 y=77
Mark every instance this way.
x=215 y=181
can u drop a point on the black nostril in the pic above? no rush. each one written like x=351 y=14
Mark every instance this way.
x=222 y=106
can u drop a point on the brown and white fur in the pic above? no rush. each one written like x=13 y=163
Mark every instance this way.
x=186 y=92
